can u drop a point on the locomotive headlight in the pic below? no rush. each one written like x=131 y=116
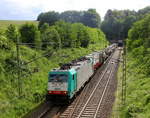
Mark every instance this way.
x=64 y=92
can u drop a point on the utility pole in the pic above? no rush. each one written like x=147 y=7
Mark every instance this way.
x=19 y=64
x=124 y=74
x=18 y=68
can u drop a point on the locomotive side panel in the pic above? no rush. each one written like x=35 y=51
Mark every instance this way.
x=83 y=74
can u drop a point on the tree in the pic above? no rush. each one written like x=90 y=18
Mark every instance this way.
x=37 y=41
x=11 y=32
x=49 y=17
x=91 y=18
x=51 y=38
x=138 y=44
x=143 y=12
x=71 y=16
x=117 y=23
x=66 y=33
x=139 y=34
x=86 y=39
x=78 y=29
x=29 y=33
x=44 y=27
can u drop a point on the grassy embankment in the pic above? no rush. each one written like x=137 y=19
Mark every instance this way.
x=34 y=84
x=138 y=73
x=137 y=103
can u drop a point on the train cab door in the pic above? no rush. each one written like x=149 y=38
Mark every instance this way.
x=74 y=76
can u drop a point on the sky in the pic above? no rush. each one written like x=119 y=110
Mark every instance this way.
x=29 y=9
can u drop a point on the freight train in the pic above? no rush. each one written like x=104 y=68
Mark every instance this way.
x=65 y=82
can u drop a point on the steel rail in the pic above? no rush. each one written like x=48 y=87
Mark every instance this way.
x=81 y=95
x=93 y=91
x=103 y=94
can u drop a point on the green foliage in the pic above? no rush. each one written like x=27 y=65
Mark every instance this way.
x=117 y=23
x=28 y=33
x=138 y=71
x=34 y=83
x=76 y=35
x=71 y=38
x=44 y=27
x=49 y=17
x=37 y=40
x=52 y=38
x=143 y=12
x=66 y=33
x=85 y=40
x=89 y=18
x=59 y=35
x=139 y=34
x=137 y=96
x=137 y=104
x=4 y=43
x=12 y=33
x=71 y=16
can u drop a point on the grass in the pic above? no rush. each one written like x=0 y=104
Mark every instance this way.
x=5 y=23
x=137 y=104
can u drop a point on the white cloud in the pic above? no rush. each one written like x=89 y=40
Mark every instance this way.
x=33 y=7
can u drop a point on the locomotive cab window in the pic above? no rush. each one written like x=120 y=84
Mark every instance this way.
x=58 y=78
x=73 y=77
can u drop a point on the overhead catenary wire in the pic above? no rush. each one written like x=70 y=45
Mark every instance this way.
x=19 y=65
x=18 y=68
x=34 y=59
x=50 y=43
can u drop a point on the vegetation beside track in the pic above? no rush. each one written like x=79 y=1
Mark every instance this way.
x=137 y=104
x=118 y=102
x=33 y=81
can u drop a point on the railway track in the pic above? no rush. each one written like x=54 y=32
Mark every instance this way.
x=56 y=111
x=92 y=100
x=89 y=105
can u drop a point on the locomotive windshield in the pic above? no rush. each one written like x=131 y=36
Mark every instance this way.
x=58 y=78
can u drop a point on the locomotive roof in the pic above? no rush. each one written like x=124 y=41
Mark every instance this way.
x=75 y=64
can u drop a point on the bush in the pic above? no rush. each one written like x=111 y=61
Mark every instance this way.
x=4 y=43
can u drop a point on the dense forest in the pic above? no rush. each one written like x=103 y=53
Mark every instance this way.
x=115 y=25
x=117 y=22
x=89 y=18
